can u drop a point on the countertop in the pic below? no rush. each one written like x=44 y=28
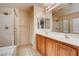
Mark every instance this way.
x=73 y=38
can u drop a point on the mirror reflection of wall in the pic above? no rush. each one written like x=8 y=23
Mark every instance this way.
x=66 y=25
x=56 y=25
x=75 y=25
x=61 y=25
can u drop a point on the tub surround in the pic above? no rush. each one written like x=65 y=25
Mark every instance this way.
x=8 y=51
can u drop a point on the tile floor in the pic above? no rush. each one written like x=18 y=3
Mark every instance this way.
x=27 y=51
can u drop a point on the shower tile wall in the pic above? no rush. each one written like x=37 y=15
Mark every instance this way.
x=6 y=27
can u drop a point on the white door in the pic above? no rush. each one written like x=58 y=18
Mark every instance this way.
x=6 y=30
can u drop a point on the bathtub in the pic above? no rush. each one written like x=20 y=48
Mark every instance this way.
x=8 y=51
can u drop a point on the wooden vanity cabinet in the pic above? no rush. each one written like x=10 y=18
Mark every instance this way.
x=54 y=48
x=63 y=50
x=43 y=47
x=51 y=47
x=78 y=51
x=40 y=44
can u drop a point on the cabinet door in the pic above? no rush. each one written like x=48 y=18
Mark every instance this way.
x=63 y=50
x=38 y=42
x=50 y=47
x=42 y=45
x=78 y=51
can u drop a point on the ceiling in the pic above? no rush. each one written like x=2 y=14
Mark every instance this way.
x=25 y=6
x=17 y=5
x=44 y=4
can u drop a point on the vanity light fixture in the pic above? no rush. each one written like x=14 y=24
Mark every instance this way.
x=52 y=6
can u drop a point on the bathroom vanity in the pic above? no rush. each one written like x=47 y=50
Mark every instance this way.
x=63 y=38
x=51 y=45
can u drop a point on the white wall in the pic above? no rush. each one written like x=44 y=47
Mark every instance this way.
x=40 y=12
x=31 y=16
x=24 y=28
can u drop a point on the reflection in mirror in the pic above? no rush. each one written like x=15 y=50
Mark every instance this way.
x=66 y=25
x=75 y=25
x=66 y=18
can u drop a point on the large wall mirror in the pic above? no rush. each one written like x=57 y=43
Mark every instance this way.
x=66 y=25
x=66 y=18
